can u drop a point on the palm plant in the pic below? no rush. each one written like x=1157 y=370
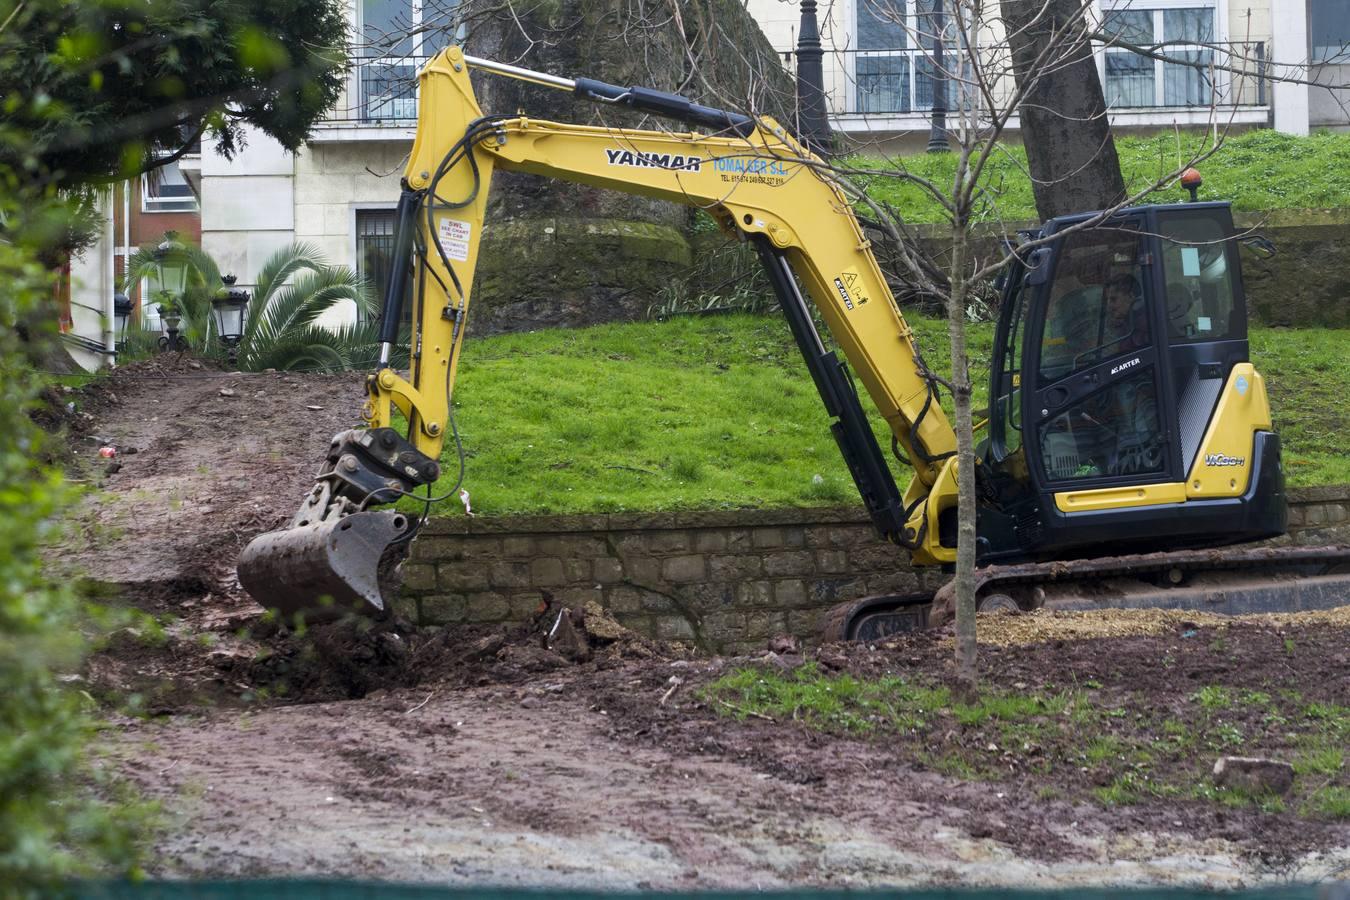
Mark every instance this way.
x=293 y=289
x=203 y=280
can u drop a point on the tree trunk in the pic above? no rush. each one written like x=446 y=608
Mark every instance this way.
x=1070 y=151
x=966 y=672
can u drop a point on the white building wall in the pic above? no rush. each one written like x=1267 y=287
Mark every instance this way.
x=248 y=205
x=332 y=181
x=93 y=281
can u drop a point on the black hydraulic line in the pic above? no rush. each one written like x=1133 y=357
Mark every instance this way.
x=396 y=288
x=851 y=431
x=671 y=106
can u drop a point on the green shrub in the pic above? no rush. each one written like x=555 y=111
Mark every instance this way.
x=52 y=823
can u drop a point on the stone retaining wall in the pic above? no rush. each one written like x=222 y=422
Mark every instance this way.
x=723 y=581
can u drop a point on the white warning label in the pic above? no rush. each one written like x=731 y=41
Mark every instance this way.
x=454 y=237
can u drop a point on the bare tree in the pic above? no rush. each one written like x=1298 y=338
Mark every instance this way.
x=1000 y=67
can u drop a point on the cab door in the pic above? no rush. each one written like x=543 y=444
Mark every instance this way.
x=1095 y=403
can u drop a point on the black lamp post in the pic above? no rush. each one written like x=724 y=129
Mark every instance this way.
x=121 y=316
x=227 y=307
x=813 y=117
x=937 y=133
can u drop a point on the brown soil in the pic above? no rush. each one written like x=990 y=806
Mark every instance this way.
x=481 y=756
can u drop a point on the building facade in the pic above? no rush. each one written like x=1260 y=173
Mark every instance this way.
x=136 y=212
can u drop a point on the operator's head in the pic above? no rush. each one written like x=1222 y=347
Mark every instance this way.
x=1121 y=293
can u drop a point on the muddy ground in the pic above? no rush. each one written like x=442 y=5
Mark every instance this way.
x=479 y=756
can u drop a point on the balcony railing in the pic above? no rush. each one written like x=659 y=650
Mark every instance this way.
x=885 y=83
x=380 y=91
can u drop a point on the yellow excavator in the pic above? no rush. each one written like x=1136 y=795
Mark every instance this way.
x=1129 y=435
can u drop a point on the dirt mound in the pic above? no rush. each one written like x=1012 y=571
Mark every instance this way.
x=194 y=648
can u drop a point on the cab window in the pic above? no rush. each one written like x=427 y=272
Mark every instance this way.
x=1199 y=270
x=1096 y=308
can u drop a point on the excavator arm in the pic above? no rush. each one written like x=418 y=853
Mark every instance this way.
x=757 y=182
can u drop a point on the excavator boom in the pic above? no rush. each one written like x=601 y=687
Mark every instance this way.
x=757 y=182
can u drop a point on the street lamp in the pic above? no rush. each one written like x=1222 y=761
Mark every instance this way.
x=171 y=264
x=227 y=307
x=121 y=316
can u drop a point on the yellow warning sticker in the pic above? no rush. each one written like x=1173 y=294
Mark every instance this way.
x=850 y=287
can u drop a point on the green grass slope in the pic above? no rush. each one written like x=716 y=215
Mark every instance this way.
x=1259 y=170
x=719 y=413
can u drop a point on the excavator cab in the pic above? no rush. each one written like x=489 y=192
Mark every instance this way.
x=1121 y=365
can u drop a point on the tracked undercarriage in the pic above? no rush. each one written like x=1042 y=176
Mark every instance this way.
x=1228 y=581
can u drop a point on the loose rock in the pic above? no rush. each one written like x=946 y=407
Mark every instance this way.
x=1254 y=774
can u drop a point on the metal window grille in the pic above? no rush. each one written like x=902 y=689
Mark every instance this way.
x=375 y=251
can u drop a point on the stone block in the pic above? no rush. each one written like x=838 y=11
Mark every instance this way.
x=734 y=568
x=836 y=590
x=670 y=542
x=1337 y=513
x=805 y=623
x=714 y=541
x=607 y=570
x=1253 y=774
x=479 y=546
x=760 y=626
x=656 y=603
x=754 y=593
x=579 y=596
x=878 y=557
x=642 y=569
x=575 y=570
x=848 y=536
x=738 y=540
x=767 y=538
x=674 y=628
x=509 y=574
x=441 y=609
x=721 y=627
x=1295 y=515
x=546 y=572
x=708 y=596
x=631 y=545
x=684 y=569
x=419 y=577
x=789 y=562
x=830 y=562
x=790 y=593
x=623 y=599
x=461 y=576
x=524 y=606
x=571 y=545
x=1315 y=514
x=487 y=607
x=435 y=549
x=900 y=581
x=518 y=547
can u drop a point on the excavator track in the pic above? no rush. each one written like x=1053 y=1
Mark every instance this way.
x=1226 y=581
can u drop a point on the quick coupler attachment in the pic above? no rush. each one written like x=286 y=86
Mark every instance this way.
x=338 y=555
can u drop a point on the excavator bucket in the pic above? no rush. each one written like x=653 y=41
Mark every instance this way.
x=325 y=570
